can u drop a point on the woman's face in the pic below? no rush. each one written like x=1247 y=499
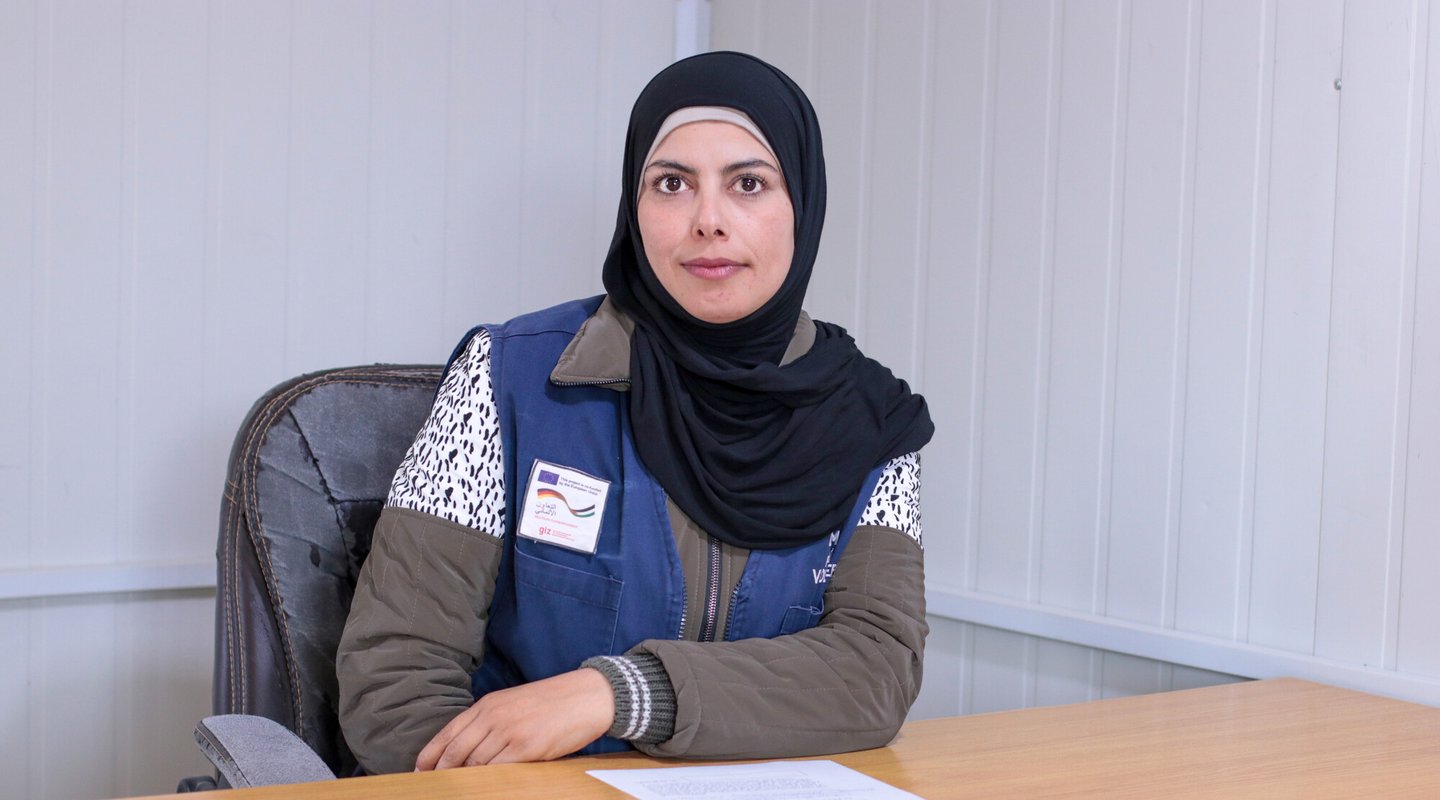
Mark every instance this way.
x=716 y=219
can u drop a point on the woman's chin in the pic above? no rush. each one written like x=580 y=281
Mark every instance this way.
x=716 y=313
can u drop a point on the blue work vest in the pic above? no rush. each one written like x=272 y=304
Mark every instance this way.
x=555 y=607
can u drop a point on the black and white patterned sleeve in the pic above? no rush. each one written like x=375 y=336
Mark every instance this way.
x=895 y=503
x=455 y=468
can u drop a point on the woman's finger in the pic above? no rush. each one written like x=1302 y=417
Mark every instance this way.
x=486 y=751
x=464 y=743
x=430 y=754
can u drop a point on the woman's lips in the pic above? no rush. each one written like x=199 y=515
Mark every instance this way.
x=712 y=269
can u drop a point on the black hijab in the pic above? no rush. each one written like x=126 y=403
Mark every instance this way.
x=758 y=455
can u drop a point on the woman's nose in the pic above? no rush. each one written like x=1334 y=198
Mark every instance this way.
x=710 y=219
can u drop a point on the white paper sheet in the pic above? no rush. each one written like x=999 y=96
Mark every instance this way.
x=772 y=780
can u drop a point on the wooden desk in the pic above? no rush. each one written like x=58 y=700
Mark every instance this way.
x=1265 y=739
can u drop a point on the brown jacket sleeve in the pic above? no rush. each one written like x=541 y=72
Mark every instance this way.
x=843 y=685
x=415 y=633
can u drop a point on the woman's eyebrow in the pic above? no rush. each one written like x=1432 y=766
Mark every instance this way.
x=675 y=165
x=750 y=164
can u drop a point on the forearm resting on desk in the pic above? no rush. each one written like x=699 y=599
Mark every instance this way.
x=410 y=644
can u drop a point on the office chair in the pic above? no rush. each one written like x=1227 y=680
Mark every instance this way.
x=308 y=474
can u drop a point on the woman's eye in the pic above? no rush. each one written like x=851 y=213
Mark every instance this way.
x=669 y=184
x=749 y=184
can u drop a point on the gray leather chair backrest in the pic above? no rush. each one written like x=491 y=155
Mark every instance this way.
x=308 y=475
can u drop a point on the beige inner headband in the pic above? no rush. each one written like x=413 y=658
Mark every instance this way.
x=690 y=114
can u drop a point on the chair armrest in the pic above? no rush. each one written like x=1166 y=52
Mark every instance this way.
x=256 y=751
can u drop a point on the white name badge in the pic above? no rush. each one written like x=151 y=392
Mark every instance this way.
x=563 y=507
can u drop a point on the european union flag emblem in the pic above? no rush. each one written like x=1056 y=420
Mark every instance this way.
x=549 y=477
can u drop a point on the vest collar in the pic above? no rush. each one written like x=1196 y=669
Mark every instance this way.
x=599 y=355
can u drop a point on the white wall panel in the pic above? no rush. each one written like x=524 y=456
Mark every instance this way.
x=1072 y=554
x=410 y=61
x=1419 y=625
x=1295 y=330
x=1153 y=303
x=1367 y=392
x=486 y=101
x=1174 y=262
x=957 y=275
x=843 y=81
x=1064 y=673
x=1122 y=675
x=74 y=710
x=1021 y=202
x=20 y=167
x=890 y=271
x=162 y=251
x=328 y=149
x=74 y=356
x=247 y=204
x=17 y=709
x=945 y=658
x=1222 y=334
x=162 y=674
x=559 y=183
x=998 y=671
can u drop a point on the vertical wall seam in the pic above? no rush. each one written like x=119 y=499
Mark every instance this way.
x=209 y=235
x=924 y=198
x=368 y=241
x=1180 y=341
x=1114 y=277
x=527 y=123
x=1330 y=337
x=40 y=294
x=127 y=265
x=1040 y=422
x=600 y=76
x=1029 y=670
x=979 y=352
x=452 y=31
x=287 y=301
x=36 y=679
x=605 y=69
x=1405 y=336
x=1255 y=350
x=127 y=248
x=867 y=161
x=762 y=26
x=966 y=678
x=812 y=52
x=40 y=210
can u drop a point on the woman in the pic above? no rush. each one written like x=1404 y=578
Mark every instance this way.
x=682 y=517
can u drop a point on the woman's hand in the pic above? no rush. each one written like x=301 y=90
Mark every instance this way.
x=536 y=721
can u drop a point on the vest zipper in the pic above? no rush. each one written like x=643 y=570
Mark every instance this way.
x=731 y=617
x=712 y=593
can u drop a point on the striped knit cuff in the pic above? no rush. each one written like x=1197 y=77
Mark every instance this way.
x=644 y=697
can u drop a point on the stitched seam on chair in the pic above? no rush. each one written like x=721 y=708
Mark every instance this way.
x=230 y=606
x=265 y=419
